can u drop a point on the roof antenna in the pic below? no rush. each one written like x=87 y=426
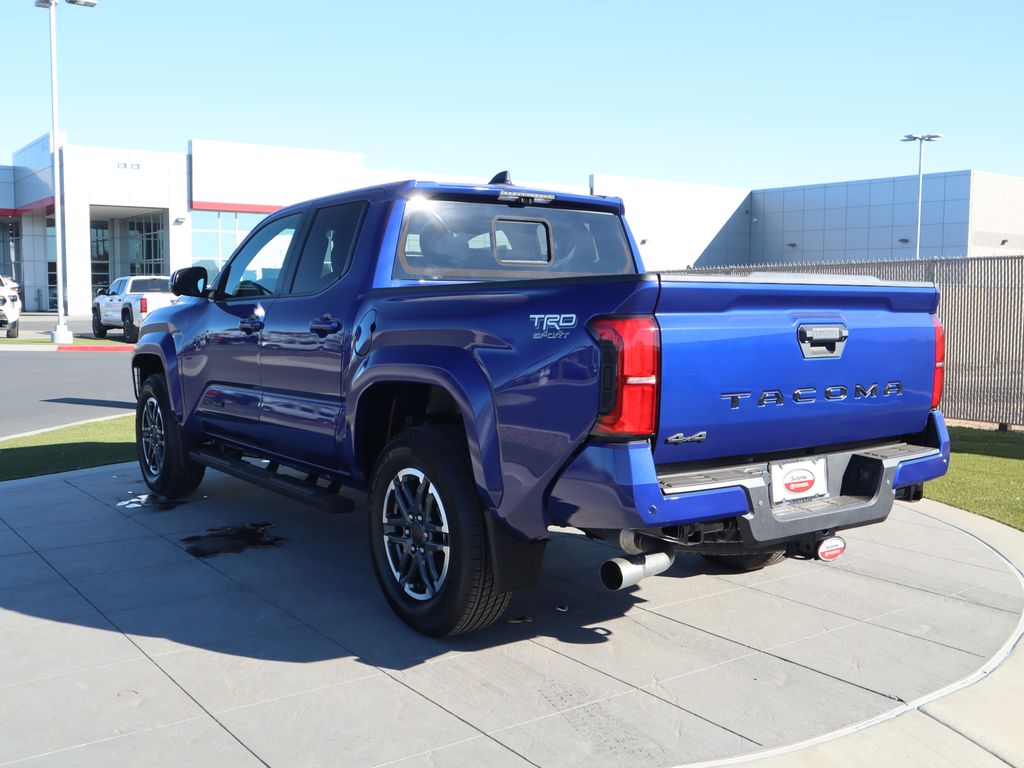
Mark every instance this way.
x=501 y=178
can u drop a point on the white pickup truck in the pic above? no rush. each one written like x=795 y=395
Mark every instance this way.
x=126 y=303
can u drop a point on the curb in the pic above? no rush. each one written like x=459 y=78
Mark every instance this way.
x=66 y=348
x=95 y=348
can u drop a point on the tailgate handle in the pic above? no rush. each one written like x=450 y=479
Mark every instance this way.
x=822 y=340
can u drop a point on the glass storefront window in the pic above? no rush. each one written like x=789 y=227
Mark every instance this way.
x=144 y=248
x=99 y=236
x=248 y=221
x=204 y=219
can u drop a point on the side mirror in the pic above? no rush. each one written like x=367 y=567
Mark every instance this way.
x=101 y=291
x=190 y=281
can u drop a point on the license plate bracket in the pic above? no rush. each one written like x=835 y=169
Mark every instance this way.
x=798 y=480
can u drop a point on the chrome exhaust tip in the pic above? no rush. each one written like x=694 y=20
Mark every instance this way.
x=622 y=572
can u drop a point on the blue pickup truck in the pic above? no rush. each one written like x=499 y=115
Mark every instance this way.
x=492 y=364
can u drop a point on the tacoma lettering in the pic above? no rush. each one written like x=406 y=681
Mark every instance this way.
x=833 y=392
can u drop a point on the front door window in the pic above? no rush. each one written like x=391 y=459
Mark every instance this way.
x=255 y=270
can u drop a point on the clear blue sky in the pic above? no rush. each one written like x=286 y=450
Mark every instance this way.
x=748 y=94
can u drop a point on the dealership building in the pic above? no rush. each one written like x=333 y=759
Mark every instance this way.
x=134 y=211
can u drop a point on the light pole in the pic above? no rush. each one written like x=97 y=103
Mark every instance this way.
x=60 y=334
x=920 y=138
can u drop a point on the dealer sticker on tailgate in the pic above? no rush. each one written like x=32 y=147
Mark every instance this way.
x=794 y=480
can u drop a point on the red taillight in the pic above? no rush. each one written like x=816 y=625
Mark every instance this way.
x=629 y=376
x=940 y=361
x=142 y=305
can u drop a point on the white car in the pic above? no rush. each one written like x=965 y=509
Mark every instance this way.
x=10 y=307
x=126 y=303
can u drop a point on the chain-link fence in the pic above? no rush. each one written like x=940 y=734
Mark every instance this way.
x=982 y=309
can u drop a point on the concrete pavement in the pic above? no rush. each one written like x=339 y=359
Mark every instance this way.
x=118 y=646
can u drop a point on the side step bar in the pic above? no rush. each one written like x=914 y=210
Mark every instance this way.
x=325 y=498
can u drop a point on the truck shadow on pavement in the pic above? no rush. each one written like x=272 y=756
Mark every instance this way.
x=240 y=571
x=126 y=405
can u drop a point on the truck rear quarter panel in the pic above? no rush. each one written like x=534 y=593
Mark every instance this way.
x=536 y=396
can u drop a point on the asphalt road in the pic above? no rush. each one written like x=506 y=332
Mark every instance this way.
x=48 y=389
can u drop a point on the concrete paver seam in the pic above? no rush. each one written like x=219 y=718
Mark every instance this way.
x=963 y=735
x=929 y=554
x=767 y=652
x=854 y=621
x=986 y=669
x=152 y=661
x=632 y=689
x=100 y=741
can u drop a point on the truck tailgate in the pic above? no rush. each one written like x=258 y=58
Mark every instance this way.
x=773 y=363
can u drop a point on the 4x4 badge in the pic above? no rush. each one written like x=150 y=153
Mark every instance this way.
x=696 y=437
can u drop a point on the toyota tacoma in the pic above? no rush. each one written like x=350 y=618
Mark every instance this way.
x=492 y=363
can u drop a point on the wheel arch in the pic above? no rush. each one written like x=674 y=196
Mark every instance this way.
x=433 y=386
x=158 y=356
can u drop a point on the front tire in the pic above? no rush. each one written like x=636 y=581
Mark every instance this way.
x=12 y=329
x=753 y=561
x=99 y=330
x=427 y=535
x=164 y=461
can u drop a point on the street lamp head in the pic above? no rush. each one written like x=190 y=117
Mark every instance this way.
x=45 y=3
x=86 y=3
x=911 y=137
x=932 y=137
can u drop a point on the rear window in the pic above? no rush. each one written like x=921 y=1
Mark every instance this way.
x=458 y=240
x=150 y=285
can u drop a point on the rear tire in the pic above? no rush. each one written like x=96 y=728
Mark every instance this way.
x=428 y=538
x=163 y=457
x=99 y=330
x=753 y=561
x=131 y=333
x=12 y=329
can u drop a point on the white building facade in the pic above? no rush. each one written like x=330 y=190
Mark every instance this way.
x=131 y=211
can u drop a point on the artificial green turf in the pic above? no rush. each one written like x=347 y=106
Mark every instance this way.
x=986 y=475
x=66 y=448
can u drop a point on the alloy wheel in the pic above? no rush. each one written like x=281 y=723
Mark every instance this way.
x=416 y=534
x=153 y=438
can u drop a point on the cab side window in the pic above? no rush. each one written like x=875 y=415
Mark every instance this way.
x=255 y=269
x=327 y=252
x=118 y=287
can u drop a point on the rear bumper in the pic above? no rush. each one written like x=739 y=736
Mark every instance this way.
x=618 y=486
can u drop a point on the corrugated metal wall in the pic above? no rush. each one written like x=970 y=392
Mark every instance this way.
x=982 y=309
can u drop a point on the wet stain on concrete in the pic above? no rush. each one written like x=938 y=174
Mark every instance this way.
x=150 y=501
x=235 y=538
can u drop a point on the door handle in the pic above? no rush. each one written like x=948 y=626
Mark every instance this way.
x=324 y=326
x=251 y=324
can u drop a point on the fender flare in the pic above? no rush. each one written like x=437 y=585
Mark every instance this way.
x=161 y=346
x=458 y=373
